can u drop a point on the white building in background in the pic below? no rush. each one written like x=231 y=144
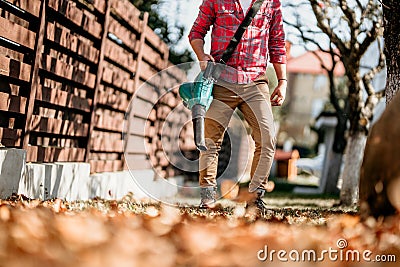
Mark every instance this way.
x=308 y=92
x=308 y=89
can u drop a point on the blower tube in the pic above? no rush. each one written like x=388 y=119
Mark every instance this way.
x=198 y=115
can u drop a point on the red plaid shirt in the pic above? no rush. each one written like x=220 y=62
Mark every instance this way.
x=263 y=40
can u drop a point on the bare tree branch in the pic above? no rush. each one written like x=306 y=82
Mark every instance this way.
x=373 y=97
x=371 y=36
x=360 y=6
x=331 y=75
x=350 y=15
x=305 y=38
x=297 y=5
x=367 y=10
x=326 y=28
x=353 y=25
x=369 y=76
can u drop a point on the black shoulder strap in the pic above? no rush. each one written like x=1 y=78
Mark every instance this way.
x=239 y=32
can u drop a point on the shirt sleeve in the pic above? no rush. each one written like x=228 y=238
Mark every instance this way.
x=204 y=20
x=276 y=45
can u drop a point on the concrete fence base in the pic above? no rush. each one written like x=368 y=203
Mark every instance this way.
x=73 y=181
x=12 y=168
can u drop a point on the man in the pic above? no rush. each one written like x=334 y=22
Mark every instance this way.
x=246 y=88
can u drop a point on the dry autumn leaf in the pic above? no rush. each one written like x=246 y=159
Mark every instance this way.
x=99 y=233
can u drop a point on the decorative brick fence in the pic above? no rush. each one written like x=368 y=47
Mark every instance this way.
x=68 y=71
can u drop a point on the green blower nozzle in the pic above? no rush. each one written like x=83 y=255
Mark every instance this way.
x=197 y=96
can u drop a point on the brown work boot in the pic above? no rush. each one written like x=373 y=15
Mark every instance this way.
x=208 y=197
x=245 y=196
x=257 y=201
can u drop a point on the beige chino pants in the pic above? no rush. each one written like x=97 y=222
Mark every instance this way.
x=253 y=101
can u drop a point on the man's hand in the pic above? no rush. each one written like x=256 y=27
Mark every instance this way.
x=203 y=60
x=198 y=48
x=278 y=96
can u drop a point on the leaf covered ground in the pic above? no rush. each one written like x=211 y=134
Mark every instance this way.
x=129 y=233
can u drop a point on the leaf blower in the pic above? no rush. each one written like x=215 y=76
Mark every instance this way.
x=197 y=96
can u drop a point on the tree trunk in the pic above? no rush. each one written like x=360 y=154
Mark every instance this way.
x=393 y=84
x=356 y=140
x=391 y=12
x=380 y=171
x=351 y=172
